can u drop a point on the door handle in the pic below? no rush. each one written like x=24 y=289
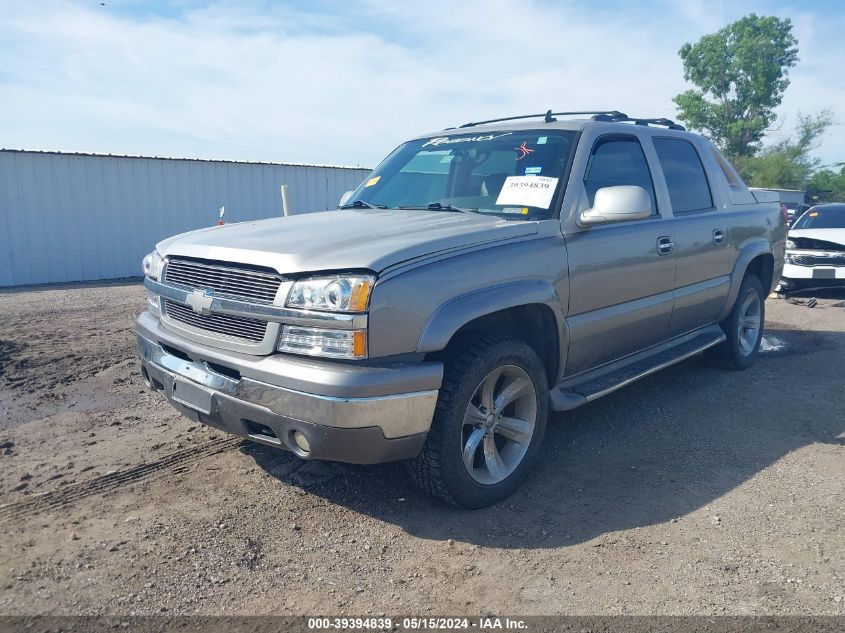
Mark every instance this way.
x=665 y=245
x=718 y=236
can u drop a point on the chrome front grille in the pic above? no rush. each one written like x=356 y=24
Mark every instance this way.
x=225 y=280
x=234 y=327
x=819 y=260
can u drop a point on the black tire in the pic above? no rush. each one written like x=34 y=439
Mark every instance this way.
x=731 y=354
x=439 y=468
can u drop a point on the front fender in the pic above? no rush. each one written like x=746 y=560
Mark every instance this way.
x=418 y=310
x=457 y=312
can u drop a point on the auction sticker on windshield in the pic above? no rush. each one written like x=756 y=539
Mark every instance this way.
x=528 y=191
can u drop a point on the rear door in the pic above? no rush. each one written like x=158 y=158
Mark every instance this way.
x=702 y=246
x=622 y=274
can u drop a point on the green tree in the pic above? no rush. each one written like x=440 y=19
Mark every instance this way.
x=827 y=185
x=740 y=74
x=788 y=164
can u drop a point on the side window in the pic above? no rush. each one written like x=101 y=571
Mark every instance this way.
x=685 y=177
x=618 y=161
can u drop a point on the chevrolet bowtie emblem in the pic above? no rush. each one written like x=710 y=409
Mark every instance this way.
x=200 y=301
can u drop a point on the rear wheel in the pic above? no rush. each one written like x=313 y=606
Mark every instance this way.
x=743 y=327
x=488 y=424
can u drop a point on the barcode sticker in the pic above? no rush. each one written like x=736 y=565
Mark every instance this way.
x=528 y=191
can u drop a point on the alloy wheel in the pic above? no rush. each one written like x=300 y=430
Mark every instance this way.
x=750 y=323
x=499 y=424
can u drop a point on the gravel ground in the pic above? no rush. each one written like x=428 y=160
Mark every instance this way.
x=694 y=491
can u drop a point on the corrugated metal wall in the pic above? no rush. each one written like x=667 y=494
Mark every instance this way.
x=80 y=217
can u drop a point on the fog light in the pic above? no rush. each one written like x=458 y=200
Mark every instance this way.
x=153 y=303
x=146 y=377
x=301 y=441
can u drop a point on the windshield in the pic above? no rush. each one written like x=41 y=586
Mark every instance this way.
x=822 y=218
x=510 y=174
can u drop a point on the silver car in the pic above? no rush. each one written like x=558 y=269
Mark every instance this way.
x=479 y=278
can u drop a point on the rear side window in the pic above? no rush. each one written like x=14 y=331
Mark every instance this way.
x=618 y=161
x=685 y=178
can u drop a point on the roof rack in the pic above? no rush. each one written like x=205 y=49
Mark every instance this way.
x=669 y=123
x=613 y=116
x=623 y=118
x=549 y=116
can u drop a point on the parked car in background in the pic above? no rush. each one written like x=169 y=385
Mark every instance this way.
x=479 y=278
x=792 y=201
x=795 y=210
x=815 y=249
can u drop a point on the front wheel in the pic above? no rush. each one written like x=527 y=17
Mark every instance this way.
x=488 y=424
x=743 y=327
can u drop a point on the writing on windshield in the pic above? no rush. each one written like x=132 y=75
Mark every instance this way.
x=514 y=174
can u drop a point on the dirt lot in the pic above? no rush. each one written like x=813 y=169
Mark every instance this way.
x=695 y=491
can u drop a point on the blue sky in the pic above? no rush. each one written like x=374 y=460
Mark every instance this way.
x=344 y=82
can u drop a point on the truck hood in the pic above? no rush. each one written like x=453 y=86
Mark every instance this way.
x=372 y=239
x=824 y=239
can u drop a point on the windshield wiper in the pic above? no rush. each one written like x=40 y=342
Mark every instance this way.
x=438 y=206
x=360 y=204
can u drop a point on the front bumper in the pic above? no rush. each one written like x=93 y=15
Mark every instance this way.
x=819 y=272
x=350 y=413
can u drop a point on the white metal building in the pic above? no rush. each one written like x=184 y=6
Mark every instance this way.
x=81 y=217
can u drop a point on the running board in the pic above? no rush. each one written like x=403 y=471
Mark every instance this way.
x=574 y=392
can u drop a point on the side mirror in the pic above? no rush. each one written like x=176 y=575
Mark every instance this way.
x=617 y=204
x=345 y=198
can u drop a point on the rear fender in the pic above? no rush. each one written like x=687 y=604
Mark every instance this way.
x=747 y=253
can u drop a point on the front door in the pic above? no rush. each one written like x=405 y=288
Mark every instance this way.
x=622 y=275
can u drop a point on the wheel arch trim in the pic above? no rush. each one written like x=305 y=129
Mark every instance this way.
x=452 y=315
x=748 y=252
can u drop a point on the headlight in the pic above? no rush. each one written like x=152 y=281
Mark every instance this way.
x=152 y=265
x=320 y=342
x=340 y=293
x=791 y=245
